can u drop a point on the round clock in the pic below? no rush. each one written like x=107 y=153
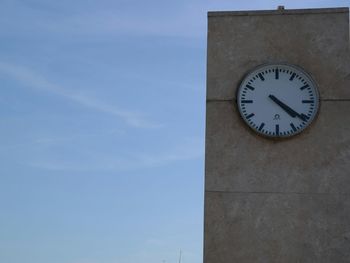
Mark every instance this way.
x=278 y=100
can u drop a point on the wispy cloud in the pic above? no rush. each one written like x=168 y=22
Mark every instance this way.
x=187 y=23
x=29 y=78
x=171 y=20
x=50 y=140
x=186 y=19
x=189 y=149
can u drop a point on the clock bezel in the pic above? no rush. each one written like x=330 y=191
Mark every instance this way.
x=299 y=131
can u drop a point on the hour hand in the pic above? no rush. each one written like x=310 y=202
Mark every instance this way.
x=287 y=109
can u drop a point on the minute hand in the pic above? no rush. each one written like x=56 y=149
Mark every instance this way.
x=287 y=109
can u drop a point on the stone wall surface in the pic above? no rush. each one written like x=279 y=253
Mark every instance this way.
x=317 y=40
x=278 y=200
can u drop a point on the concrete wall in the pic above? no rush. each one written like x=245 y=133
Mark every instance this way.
x=285 y=200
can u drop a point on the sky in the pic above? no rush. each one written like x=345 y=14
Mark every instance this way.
x=102 y=111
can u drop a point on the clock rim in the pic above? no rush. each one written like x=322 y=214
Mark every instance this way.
x=274 y=137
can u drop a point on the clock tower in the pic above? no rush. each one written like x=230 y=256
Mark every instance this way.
x=277 y=172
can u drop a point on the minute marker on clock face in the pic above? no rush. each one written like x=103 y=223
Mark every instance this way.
x=278 y=100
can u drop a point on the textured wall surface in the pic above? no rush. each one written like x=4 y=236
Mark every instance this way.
x=278 y=200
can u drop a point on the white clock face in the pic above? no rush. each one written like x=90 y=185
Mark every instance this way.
x=278 y=100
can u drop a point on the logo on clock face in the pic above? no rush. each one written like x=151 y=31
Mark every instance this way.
x=278 y=100
x=277 y=117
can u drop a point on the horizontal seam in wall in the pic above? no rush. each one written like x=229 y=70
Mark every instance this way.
x=278 y=193
x=335 y=100
x=233 y=100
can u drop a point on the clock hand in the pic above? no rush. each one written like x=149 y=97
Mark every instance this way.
x=303 y=117
x=287 y=109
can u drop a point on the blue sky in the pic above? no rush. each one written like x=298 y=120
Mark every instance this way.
x=102 y=112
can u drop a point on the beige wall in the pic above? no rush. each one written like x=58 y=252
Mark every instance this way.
x=286 y=200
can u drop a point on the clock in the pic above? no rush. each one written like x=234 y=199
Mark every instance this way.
x=278 y=100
